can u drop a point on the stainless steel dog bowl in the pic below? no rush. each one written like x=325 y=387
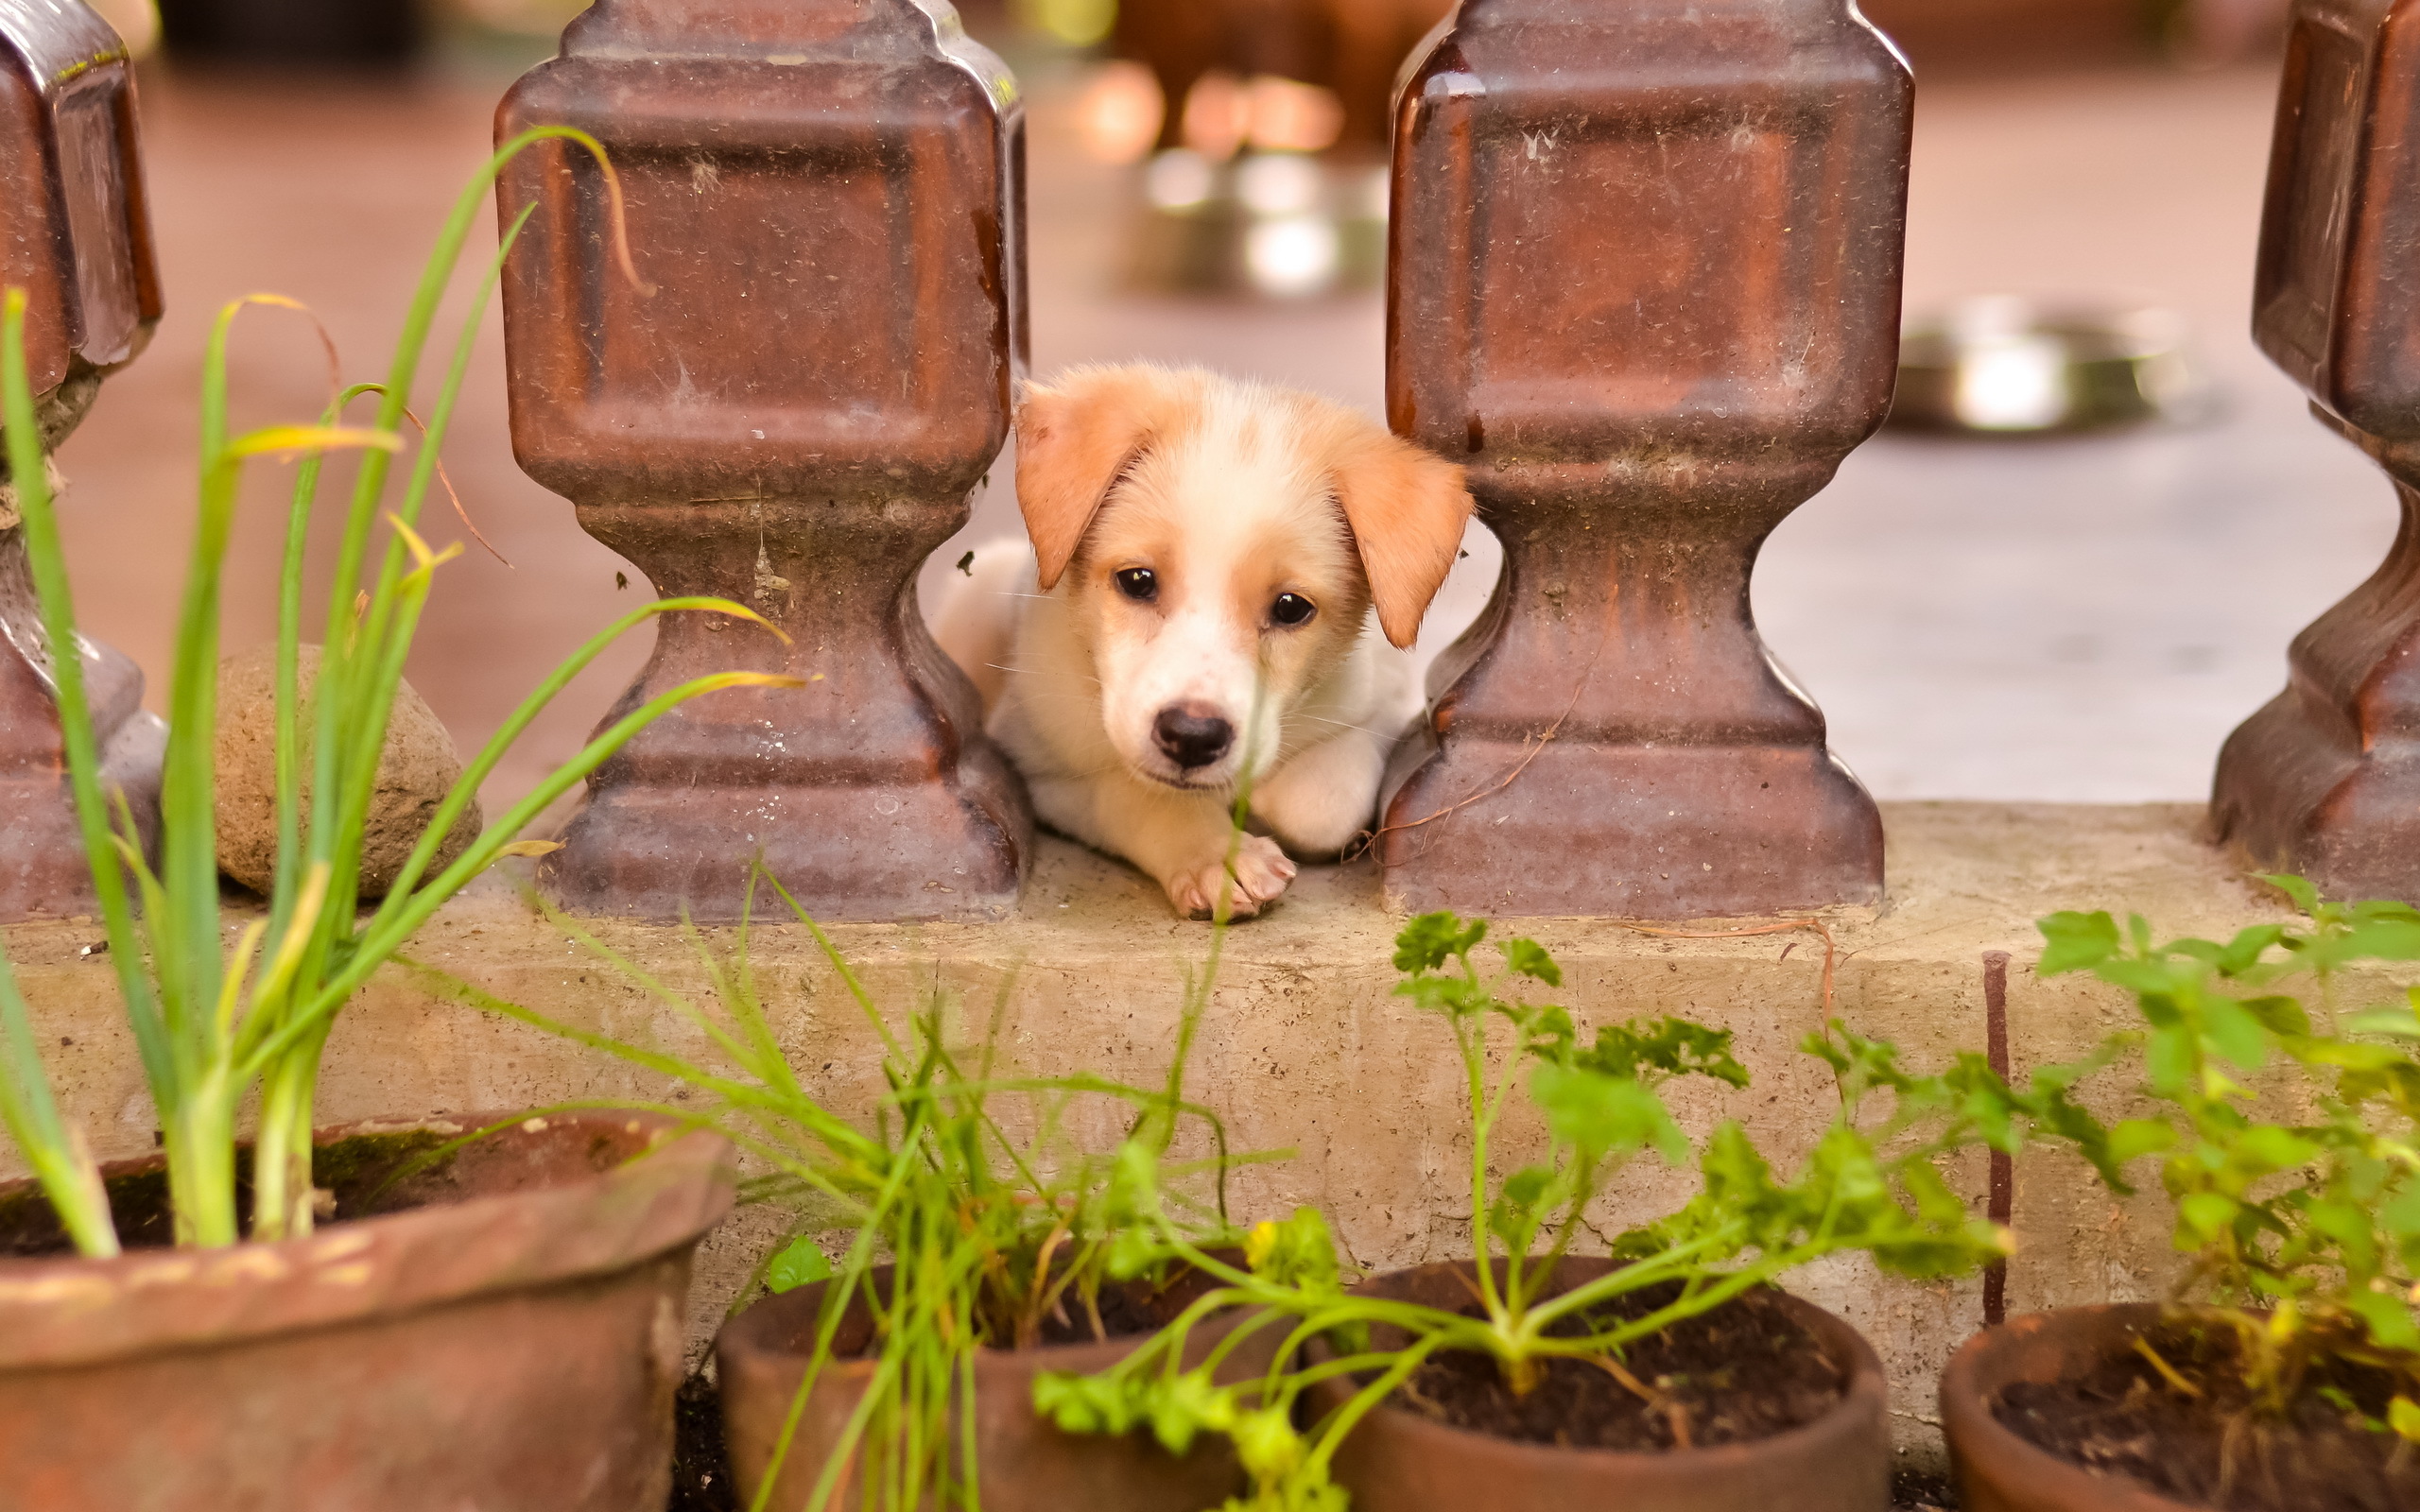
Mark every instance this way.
x=2000 y=365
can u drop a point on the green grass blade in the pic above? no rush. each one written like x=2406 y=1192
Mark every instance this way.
x=289 y=673
x=62 y=1165
x=392 y=619
x=376 y=945
x=441 y=823
x=49 y=565
x=344 y=686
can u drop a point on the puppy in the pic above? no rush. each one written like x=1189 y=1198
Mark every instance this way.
x=1196 y=610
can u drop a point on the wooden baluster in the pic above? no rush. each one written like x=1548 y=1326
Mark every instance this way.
x=826 y=197
x=74 y=237
x=1645 y=284
x=2326 y=779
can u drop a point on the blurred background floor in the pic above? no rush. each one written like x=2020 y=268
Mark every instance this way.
x=2081 y=619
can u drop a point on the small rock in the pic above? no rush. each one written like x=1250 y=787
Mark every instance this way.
x=415 y=772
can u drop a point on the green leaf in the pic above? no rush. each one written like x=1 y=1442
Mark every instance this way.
x=2243 y=952
x=1299 y=1251
x=2385 y=939
x=2204 y=1215
x=1431 y=940
x=2075 y=942
x=2269 y=1148
x=2278 y=1015
x=1549 y=1033
x=1935 y=1202
x=2403 y=1415
x=1676 y=1047
x=2234 y=1033
x=1132 y=1252
x=1088 y=1404
x=2169 y=1060
x=1600 y=1115
x=2399 y=1215
x=2148 y=978
x=1185 y=1406
x=2403 y=1023
x=1525 y=1188
x=2305 y=896
x=1449 y=995
x=2133 y=1138
x=800 y=1265
x=1266 y=1443
x=1530 y=960
x=2349 y=1056
x=2388 y=1315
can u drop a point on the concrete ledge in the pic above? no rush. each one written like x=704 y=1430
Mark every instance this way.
x=1305 y=1047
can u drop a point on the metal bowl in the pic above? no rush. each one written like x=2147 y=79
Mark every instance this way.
x=2000 y=365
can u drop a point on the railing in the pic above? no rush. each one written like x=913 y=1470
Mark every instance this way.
x=74 y=237
x=1644 y=285
x=2326 y=780
x=790 y=409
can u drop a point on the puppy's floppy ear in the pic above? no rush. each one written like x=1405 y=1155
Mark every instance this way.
x=1073 y=440
x=1407 y=509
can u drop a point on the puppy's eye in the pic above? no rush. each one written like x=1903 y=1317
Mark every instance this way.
x=1292 y=609
x=1140 y=584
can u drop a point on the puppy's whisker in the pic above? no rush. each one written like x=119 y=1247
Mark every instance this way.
x=1036 y=672
x=1343 y=724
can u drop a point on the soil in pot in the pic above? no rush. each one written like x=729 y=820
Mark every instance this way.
x=1745 y=1371
x=1404 y=1457
x=2121 y=1418
x=702 y=1477
x=351 y=1173
x=1026 y=1465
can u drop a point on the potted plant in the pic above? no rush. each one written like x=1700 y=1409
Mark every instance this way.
x=1667 y=1373
x=971 y=1258
x=2283 y=1369
x=512 y=1341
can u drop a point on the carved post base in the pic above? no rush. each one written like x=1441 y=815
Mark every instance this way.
x=788 y=406
x=2325 y=781
x=870 y=793
x=1645 y=287
x=1613 y=738
x=43 y=871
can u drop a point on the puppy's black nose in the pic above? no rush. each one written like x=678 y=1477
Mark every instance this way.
x=1192 y=734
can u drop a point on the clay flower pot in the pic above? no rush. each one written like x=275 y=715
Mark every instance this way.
x=1997 y=1469
x=1024 y=1464
x=1399 y=1461
x=512 y=1339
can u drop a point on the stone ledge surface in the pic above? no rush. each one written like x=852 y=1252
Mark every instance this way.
x=1305 y=1047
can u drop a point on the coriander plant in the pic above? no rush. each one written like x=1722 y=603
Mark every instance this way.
x=216 y=1026
x=2302 y=1229
x=1873 y=1184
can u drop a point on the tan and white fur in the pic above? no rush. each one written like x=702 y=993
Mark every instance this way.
x=1145 y=654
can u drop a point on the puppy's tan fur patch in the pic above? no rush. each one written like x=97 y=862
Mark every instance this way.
x=1197 y=605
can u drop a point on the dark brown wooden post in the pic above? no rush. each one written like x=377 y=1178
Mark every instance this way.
x=74 y=237
x=1646 y=286
x=2326 y=779
x=826 y=196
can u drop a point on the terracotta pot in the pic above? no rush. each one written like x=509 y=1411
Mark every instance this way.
x=2000 y=1471
x=511 y=1341
x=1399 y=1461
x=1024 y=1464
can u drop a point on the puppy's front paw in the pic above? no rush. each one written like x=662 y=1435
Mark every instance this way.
x=1261 y=873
